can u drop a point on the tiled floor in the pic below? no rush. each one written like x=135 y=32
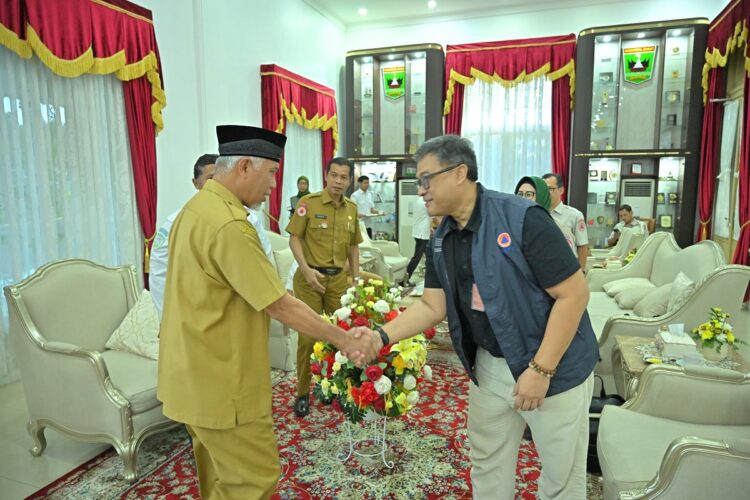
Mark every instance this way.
x=21 y=474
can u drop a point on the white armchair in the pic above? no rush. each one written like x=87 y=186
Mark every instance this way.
x=60 y=319
x=628 y=241
x=282 y=343
x=390 y=264
x=686 y=434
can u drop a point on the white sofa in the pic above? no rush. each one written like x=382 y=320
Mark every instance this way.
x=282 y=344
x=660 y=260
x=686 y=434
x=60 y=319
x=390 y=264
x=629 y=240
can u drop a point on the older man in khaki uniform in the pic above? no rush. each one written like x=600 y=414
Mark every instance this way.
x=214 y=373
x=324 y=233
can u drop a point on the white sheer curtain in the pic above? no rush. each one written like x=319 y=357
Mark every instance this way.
x=726 y=168
x=66 y=181
x=302 y=156
x=511 y=129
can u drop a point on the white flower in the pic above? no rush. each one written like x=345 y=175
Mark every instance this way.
x=722 y=337
x=389 y=297
x=393 y=290
x=351 y=291
x=427 y=371
x=410 y=382
x=346 y=299
x=343 y=313
x=361 y=283
x=383 y=385
x=341 y=358
x=412 y=398
x=728 y=327
x=381 y=306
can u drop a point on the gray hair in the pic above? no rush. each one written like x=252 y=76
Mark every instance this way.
x=450 y=150
x=225 y=164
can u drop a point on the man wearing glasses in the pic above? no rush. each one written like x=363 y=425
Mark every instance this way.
x=515 y=297
x=568 y=216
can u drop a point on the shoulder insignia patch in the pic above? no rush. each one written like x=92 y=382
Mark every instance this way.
x=301 y=210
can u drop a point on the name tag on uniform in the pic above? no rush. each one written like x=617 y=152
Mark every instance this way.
x=321 y=216
x=476 y=299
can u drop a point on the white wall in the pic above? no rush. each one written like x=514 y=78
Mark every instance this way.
x=211 y=53
x=544 y=22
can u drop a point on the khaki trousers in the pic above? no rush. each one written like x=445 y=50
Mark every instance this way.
x=328 y=302
x=560 y=429
x=241 y=463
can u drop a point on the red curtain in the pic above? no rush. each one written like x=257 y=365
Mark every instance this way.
x=741 y=255
x=509 y=63
x=709 y=162
x=287 y=96
x=117 y=37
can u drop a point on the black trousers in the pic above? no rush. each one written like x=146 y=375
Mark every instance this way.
x=419 y=248
x=369 y=232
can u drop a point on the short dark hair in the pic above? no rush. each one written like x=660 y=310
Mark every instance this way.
x=340 y=160
x=363 y=178
x=626 y=207
x=558 y=179
x=202 y=162
x=451 y=150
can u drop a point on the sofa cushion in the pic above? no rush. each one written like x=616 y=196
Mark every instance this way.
x=680 y=291
x=627 y=299
x=614 y=287
x=631 y=445
x=654 y=303
x=284 y=259
x=135 y=377
x=139 y=331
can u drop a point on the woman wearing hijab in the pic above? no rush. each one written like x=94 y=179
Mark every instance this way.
x=303 y=189
x=535 y=189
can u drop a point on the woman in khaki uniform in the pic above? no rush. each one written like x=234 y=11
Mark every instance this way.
x=214 y=373
x=324 y=233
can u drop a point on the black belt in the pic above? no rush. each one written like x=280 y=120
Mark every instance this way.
x=328 y=271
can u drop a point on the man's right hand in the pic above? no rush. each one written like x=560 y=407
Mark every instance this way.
x=363 y=345
x=312 y=277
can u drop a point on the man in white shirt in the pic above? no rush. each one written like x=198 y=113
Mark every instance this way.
x=626 y=220
x=420 y=231
x=365 y=204
x=203 y=170
x=568 y=216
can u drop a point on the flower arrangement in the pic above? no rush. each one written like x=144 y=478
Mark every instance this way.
x=629 y=257
x=716 y=332
x=389 y=385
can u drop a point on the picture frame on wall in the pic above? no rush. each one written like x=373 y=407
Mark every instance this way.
x=604 y=175
x=673 y=198
x=605 y=77
x=660 y=199
x=671 y=120
x=672 y=96
x=611 y=198
x=591 y=198
x=594 y=175
x=636 y=168
x=665 y=221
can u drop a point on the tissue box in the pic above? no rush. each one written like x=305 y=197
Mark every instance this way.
x=673 y=345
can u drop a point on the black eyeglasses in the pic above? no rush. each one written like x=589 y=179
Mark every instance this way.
x=424 y=181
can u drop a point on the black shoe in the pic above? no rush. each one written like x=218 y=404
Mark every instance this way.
x=527 y=434
x=302 y=406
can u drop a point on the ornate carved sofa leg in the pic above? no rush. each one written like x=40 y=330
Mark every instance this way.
x=36 y=431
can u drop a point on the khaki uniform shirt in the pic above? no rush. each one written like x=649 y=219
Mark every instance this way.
x=214 y=370
x=327 y=231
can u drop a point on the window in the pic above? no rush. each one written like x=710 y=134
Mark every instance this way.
x=66 y=181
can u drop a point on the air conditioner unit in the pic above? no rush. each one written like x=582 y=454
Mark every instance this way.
x=639 y=194
x=407 y=197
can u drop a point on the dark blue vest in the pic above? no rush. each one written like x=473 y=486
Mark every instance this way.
x=516 y=305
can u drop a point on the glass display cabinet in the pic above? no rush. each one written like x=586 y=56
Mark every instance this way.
x=393 y=99
x=637 y=124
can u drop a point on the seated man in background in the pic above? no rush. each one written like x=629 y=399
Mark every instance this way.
x=626 y=220
x=203 y=170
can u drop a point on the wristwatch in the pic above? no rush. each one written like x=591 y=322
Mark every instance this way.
x=383 y=336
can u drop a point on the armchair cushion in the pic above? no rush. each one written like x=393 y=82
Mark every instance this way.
x=139 y=331
x=134 y=377
x=681 y=289
x=284 y=259
x=627 y=299
x=614 y=287
x=655 y=303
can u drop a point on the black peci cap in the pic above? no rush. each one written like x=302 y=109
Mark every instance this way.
x=243 y=140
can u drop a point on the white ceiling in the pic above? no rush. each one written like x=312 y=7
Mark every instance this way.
x=345 y=12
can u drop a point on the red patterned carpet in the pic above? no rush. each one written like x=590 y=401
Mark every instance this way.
x=429 y=448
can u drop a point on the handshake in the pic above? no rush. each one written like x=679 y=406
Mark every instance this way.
x=361 y=345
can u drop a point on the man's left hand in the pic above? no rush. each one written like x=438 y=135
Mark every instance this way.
x=530 y=390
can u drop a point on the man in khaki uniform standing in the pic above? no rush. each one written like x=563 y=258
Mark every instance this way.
x=214 y=373
x=324 y=233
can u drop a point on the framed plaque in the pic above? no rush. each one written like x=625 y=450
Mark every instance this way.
x=665 y=221
x=660 y=198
